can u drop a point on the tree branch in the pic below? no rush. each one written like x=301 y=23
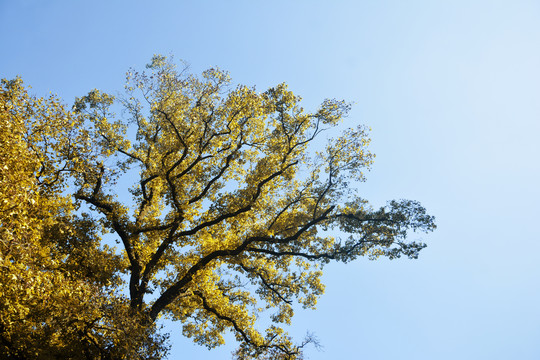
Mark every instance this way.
x=176 y=289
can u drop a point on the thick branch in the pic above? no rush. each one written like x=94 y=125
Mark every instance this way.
x=172 y=292
x=237 y=212
x=329 y=256
x=108 y=210
x=150 y=267
x=212 y=181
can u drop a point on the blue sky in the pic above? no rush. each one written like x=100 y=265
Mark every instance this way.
x=451 y=91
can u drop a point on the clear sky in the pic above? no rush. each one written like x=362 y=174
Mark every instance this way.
x=451 y=91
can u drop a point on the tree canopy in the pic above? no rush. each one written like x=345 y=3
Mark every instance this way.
x=236 y=206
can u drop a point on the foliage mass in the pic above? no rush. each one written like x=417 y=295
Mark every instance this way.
x=236 y=207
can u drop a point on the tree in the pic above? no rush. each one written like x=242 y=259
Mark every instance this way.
x=236 y=208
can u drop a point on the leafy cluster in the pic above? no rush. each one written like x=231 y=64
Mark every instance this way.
x=58 y=283
x=230 y=216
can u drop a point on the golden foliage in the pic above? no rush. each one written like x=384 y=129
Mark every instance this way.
x=230 y=216
x=57 y=283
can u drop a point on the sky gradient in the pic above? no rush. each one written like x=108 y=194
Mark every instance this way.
x=451 y=92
